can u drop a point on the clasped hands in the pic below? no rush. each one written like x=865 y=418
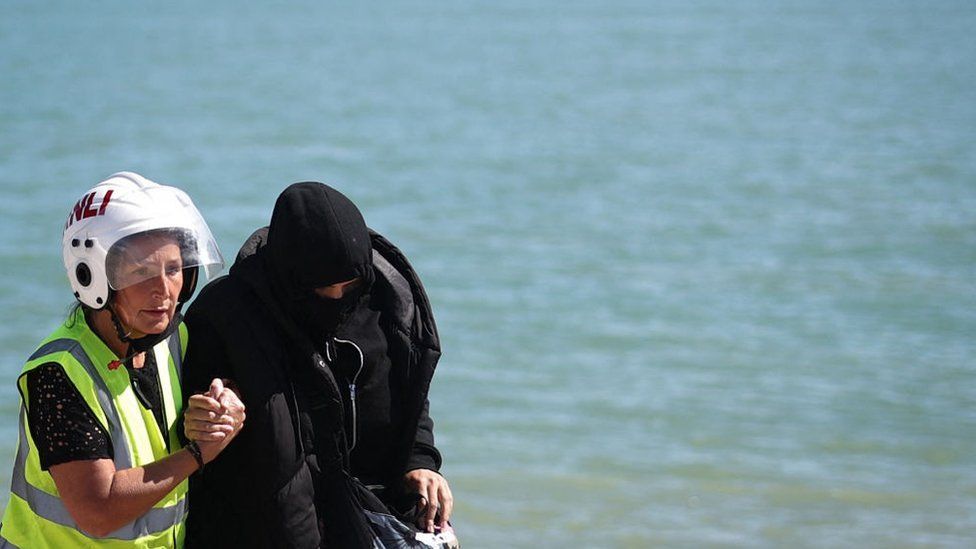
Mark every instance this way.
x=213 y=418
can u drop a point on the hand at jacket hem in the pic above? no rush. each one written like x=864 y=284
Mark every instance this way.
x=435 y=497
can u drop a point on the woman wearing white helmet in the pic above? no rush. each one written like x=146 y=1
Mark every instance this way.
x=100 y=462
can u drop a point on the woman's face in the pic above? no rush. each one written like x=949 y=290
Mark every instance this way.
x=152 y=276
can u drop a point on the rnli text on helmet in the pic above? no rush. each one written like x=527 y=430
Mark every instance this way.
x=83 y=208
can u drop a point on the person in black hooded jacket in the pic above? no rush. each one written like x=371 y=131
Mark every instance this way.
x=327 y=333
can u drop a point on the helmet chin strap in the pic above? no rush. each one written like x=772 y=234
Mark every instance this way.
x=142 y=344
x=123 y=335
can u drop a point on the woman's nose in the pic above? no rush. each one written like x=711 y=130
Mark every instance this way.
x=158 y=285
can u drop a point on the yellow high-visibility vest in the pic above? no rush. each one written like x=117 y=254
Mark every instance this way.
x=35 y=515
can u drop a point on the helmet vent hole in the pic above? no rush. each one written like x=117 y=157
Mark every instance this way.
x=98 y=300
x=75 y=242
x=89 y=243
x=83 y=274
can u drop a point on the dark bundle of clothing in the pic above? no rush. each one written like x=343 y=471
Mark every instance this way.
x=335 y=389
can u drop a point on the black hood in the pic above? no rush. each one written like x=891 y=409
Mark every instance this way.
x=317 y=237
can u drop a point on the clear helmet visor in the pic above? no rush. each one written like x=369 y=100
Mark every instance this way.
x=160 y=254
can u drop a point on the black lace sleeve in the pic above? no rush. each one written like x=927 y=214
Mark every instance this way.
x=63 y=427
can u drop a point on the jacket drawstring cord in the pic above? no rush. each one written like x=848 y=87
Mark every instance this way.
x=352 y=386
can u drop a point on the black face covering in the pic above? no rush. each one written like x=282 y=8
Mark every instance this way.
x=324 y=316
x=317 y=238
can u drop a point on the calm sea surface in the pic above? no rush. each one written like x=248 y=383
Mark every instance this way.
x=705 y=271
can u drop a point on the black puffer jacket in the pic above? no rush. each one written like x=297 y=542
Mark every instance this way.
x=284 y=482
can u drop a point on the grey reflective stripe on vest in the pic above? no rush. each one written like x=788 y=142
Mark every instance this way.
x=176 y=351
x=119 y=441
x=52 y=508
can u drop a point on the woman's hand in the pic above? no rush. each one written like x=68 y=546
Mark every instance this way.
x=214 y=418
x=435 y=497
x=101 y=499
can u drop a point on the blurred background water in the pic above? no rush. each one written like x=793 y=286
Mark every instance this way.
x=703 y=270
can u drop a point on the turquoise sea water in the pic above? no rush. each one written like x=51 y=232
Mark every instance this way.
x=705 y=271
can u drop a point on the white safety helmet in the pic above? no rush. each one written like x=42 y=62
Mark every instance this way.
x=125 y=205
